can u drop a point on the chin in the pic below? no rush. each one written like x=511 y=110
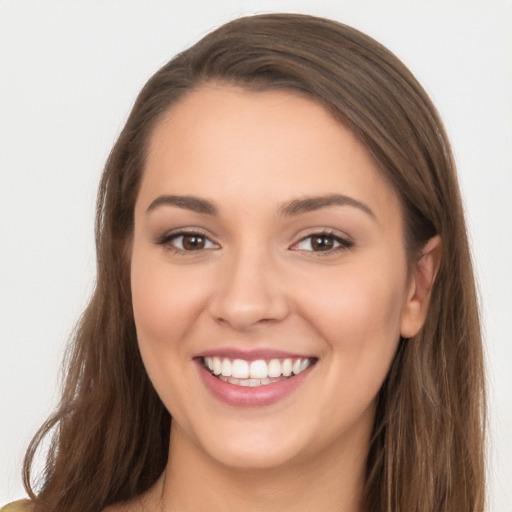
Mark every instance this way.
x=254 y=456
x=251 y=445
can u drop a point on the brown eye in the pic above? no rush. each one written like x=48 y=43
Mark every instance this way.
x=322 y=243
x=187 y=242
x=193 y=242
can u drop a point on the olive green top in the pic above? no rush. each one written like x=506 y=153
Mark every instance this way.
x=17 y=506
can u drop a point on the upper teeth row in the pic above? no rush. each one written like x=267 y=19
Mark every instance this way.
x=259 y=369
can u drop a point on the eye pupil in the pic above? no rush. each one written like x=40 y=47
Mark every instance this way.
x=193 y=242
x=322 y=243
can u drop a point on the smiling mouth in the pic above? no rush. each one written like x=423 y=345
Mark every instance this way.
x=255 y=373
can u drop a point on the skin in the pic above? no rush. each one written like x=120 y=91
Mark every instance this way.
x=259 y=282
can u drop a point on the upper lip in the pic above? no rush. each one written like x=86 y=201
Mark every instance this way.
x=249 y=354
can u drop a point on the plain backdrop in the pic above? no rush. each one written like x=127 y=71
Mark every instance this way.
x=69 y=72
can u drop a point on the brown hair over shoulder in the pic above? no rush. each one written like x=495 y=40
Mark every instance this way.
x=110 y=434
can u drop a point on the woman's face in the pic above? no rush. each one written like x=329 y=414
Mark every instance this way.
x=267 y=247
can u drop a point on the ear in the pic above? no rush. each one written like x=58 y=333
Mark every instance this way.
x=422 y=278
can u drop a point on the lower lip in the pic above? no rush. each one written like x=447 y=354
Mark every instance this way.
x=258 y=396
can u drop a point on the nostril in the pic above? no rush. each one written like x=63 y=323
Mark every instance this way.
x=248 y=295
x=244 y=323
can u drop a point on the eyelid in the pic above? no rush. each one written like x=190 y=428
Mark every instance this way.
x=344 y=240
x=166 y=239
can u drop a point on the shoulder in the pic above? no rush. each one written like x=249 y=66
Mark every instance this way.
x=17 y=506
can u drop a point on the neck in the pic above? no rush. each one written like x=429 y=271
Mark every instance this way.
x=332 y=481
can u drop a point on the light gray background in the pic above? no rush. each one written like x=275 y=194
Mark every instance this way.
x=69 y=72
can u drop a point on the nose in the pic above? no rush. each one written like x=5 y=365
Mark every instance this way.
x=250 y=292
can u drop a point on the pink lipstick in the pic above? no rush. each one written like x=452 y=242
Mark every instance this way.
x=252 y=378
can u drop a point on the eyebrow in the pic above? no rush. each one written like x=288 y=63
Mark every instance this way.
x=195 y=204
x=289 y=209
x=311 y=204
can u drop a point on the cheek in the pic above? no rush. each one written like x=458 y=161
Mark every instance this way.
x=359 y=300
x=163 y=301
x=358 y=313
x=166 y=305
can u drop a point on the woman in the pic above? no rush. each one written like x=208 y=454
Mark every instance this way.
x=283 y=269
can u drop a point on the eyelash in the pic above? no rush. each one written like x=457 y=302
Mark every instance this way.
x=167 y=241
x=343 y=243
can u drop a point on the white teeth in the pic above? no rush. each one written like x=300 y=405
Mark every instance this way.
x=249 y=383
x=274 y=368
x=287 y=367
x=304 y=364
x=240 y=369
x=217 y=366
x=248 y=373
x=258 y=369
x=226 y=368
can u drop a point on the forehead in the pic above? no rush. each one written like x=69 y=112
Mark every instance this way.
x=224 y=141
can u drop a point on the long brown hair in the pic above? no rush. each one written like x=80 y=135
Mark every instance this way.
x=111 y=431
